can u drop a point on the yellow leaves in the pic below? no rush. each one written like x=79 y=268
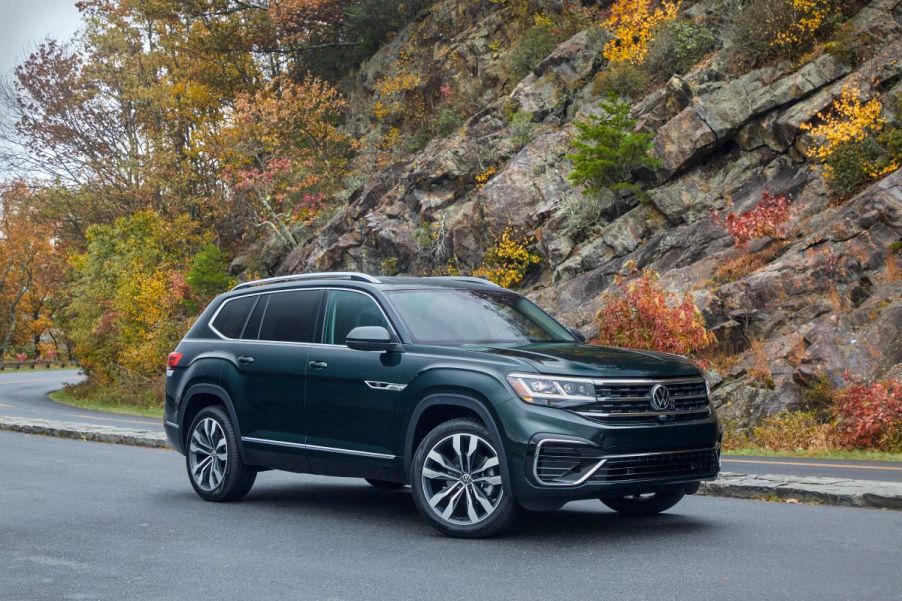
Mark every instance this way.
x=397 y=84
x=634 y=23
x=809 y=18
x=483 y=177
x=541 y=20
x=847 y=120
x=507 y=262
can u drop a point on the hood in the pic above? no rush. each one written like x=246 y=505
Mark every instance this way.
x=573 y=359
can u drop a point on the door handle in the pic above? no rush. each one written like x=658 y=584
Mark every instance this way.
x=245 y=359
x=318 y=364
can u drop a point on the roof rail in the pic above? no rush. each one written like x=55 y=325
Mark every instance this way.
x=325 y=275
x=472 y=280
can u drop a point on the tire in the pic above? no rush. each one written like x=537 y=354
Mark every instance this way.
x=644 y=505
x=385 y=484
x=212 y=428
x=462 y=494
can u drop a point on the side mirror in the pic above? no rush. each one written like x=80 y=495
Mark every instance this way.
x=370 y=338
x=577 y=334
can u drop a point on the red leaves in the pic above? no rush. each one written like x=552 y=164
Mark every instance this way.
x=641 y=313
x=869 y=415
x=766 y=219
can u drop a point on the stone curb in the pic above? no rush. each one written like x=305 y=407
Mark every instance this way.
x=812 y=489
x=109 y=434
x=809 y=489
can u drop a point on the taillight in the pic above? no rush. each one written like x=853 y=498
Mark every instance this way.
x=173 y=359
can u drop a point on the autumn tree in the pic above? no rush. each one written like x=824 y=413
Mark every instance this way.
x=131 y=297
x=30 y=272
x=285 y=153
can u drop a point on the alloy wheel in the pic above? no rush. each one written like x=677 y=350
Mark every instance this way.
x=208 y=454
x=461 y=479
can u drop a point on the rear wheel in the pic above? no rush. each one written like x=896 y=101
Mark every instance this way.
x=647 y=504
x=213 y=460
x=458 y=483
x=385 y=484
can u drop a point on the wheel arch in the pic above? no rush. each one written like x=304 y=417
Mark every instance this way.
x=449 y=405
x=199 y=396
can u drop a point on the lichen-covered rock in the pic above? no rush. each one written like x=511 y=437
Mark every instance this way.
x=822 y=301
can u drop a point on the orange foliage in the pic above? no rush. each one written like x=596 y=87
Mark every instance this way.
x=641 y=313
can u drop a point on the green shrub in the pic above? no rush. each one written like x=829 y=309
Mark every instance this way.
x=609 y=150
x=447 y=120
x=530 y=48
x=623 y=79
x=209 y=274
x=522 y=126
x=754 y=24
x=583 y=216
x=676 y=47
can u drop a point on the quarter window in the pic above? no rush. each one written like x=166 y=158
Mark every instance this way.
x=291 y=316
x=252 y=328
x=347 y=310
x=230 y=320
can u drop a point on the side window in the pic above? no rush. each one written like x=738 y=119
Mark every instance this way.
x=252 y=329
x=231 y=317
x=347 y=310
x=291 y=316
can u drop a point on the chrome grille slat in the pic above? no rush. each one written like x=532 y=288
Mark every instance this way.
x=628 y=400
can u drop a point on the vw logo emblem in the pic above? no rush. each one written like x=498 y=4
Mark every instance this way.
x=660 y=398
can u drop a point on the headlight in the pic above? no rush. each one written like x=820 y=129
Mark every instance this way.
x=553 y=392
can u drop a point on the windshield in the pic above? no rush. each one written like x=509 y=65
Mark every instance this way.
x=460 y=316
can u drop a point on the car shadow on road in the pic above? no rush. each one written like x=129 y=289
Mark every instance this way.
x=573 y=524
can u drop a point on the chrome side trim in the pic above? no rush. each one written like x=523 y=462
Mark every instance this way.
x=324 y=275
x=171 y=424
x=390 y=386
x=313 y=447
x=586 y=476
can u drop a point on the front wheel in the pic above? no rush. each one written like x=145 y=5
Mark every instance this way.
x=648 y=504
x=213 y=460
x=457 y=481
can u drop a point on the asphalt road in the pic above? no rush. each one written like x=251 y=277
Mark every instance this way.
x=24 y=394
x=82 y=520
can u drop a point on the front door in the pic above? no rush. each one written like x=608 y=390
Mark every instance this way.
x=352 y=396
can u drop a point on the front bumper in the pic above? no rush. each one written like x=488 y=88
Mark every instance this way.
x=603 y=459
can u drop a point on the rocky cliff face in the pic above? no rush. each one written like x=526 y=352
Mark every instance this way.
x=820 y=303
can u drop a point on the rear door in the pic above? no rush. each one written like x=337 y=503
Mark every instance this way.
x=352 y=396
x=268 y=369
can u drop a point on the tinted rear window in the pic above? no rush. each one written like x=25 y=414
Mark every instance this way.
x=291 y=316
x=230 y=320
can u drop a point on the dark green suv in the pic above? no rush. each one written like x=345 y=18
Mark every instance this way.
x=468 y=392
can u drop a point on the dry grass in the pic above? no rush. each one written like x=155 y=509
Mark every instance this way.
x=760 y=369
x=838 y=302
x=891 y=272
x=746 y=263
x=787 y=431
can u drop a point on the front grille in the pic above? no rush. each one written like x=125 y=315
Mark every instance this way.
x=564 y=463
x=631 y=402
x=655 y=466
